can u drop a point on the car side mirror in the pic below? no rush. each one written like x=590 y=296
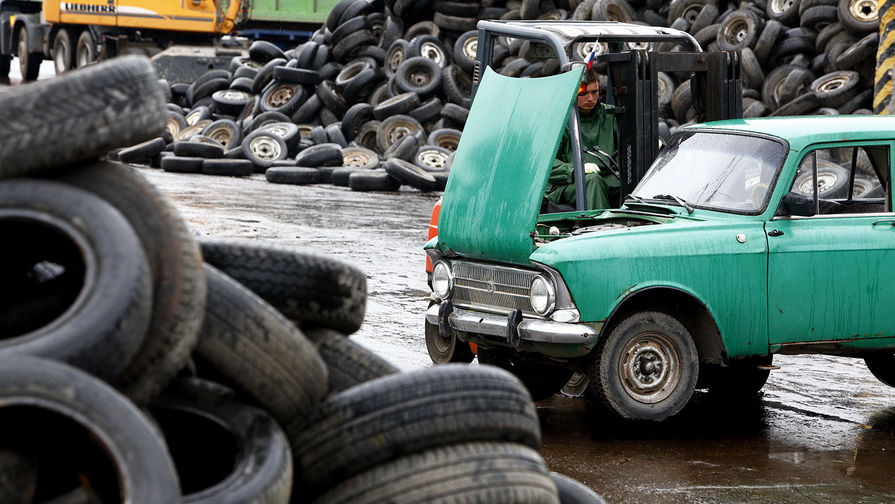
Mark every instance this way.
x=797 y=204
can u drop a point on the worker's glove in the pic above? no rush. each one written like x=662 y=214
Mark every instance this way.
x=591 y=168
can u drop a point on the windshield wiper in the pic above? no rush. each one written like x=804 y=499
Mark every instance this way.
x=638 y=199
x=679 y=201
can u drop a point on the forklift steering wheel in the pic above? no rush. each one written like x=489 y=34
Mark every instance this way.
x=610 y=160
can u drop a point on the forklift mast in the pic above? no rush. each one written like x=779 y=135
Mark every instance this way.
x=716 y=87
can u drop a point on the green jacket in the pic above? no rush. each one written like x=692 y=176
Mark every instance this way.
x=598 y=129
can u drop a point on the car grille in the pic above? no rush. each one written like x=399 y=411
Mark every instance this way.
x=492 y=288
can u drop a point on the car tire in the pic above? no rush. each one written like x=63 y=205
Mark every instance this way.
x=740 y=379
x=349 y=363
x=541 y=380
x=359 y=157
x=283 y=97
x=372 y=180
x=446 y=350
x=432 y=158
x=572 y=491
x=646 y=336
x=410 y=412
x=400 y=104
x=228 y=167
x=262 y=148
x=410 y=174
x=859 y=16
x=304 y=287
x=395 y=128
x=882 y=366
x=105 y=319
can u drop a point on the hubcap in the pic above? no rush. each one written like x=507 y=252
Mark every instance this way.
x=265 y=148
x=649 y=368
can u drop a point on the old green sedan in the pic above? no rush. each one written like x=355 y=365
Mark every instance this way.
x=744 y=239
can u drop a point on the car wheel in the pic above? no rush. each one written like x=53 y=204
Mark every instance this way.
x=541 y=380
x=443 y=350
x=830 y=179
x=646 y=368
x=882 y=365
x=576 y=386
x=740 y=378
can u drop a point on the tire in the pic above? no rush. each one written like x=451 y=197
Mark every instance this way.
x=862 y=51
x=614 y=10
x=446 y=350
x=740 y=379
x=487 y=472
x=197 y=149
x=410 y=174
x=265 y=75
x=396 y=55
x=821 y=15
x=263 y=51
x=432 y=158
x=262 y=148
x=653 y=337
x=541 y=380
x=344 y=29
x=834 y=89
x=882 y=365
x=309 y=288
x=224 y=450
x=224 y=132
x=465 y=50
x=372 y=180
x=796 y=83
x=740 y=29
x=572 y=491
x=404 y=149
x=801 y=105
x=400 y=104
x=63 y=51
x=334 y=134
x=271 y=360
x=354 y=118
x=447 y=138
x=295 y=175
x=113 y=104
x=351 y=44
x=29 y=62
x=706 y=17
x=283 y=97
x=770 y=34
x=331 y=97
x=456 y=113
x=831 y=178
x=198 y=91
x=681 y=101
x=287 y=131
x=394 y=128
x=785 y=12
x=576 y=386
x=296 y=76
x=770 y=88
x=103 y=324
x=859 y=16
x=85 y=50
x=429 y=47
x=176 y=266
x=80 y=426
x=427 y=111
x=419 y=75
x=177 y=164
x=685 y=9
x=366 y=135
x=142 y=152
x=228 y=167
x=325 y=154
x=356 y=79
x=410 y=412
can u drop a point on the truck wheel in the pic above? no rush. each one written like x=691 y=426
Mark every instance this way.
x=646 y=368
x=541 y=380
x=29 y=62
x=882 y=365
x=85 y=50
x=63 y=51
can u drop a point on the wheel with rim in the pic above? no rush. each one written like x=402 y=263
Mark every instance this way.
x=740 y=29
x=646 y=368
x=830 y=178
x=263 y=148
x=576 y=386
x=432 y=158
x=444 y=350
x=784 y=11
x=836 y=88
x=63 y=51
x=85 y=50
x=542 y=380
x=741 y=378
x=465 y=50
x=859 y=16
x=395 y=128
x=29 y=62
x=359 y=157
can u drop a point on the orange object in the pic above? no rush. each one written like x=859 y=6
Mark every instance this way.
x=433 y=231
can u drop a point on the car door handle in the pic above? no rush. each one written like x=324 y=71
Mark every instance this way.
x=889 y=221
x=775 y=232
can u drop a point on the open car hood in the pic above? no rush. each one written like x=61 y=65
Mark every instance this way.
x=501 y=166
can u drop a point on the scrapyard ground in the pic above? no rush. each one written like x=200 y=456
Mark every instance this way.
x=822 y=431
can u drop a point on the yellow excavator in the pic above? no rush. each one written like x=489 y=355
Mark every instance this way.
x=76 y=33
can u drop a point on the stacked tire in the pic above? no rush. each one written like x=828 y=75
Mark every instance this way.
x=137 y=365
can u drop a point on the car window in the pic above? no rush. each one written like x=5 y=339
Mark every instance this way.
x=845 y=180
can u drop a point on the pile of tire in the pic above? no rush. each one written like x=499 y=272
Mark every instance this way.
x=139 y=365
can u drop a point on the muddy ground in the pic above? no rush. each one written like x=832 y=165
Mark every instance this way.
x=823 y=429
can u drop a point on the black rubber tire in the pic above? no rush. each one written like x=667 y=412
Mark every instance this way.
x=834 y=89
x=265 y=75
x=859 y=16
x=464 y=50
x=447 y=138
x=366 y=135
x=187 y=148
x=228 y=167
x=614 y=10
x=432 y=158
x=404 y=149
x=400 y=104
x=63 y=51
x=864 y=99
x=306 y=287
x=456 y=113
x=347 y=27
x=225 y=132
x=740 y=29
x=486 y=472
x=796 y=83
x=231 y=101
x=572 y=491
x=788 y=48
x=351 y=44
x=429 y=46
x=325 y=154
x=827 y=171
x=287 y=131
x=395 y=55
x=270 y=360
x=427 y=111
x=224 y=450
x=682 y=101
x=769 y=36
x=740 y=379
x=263 y=51
x=354 y=118
x=296 y=76
x=455 y=23
x=410 y=174
x=820 y=15
x=177 y=164
x=707 y=35
x=706 y=17
x=446 y=350
x=348 y=362
x=262 y=148
x=418 y=74
x=331 y=97
x=295 y=175
x=334 y=134
x=103 y=325
x=685 y=9
x=405 y=413
x=143 y=151
x=176 y=266
x=29 y=61
x=372 y=180
x=772 y=82
x=541 y=380
x=61 y=413
x=863 y=50
x=283 y=97
x=113 y=104
x=341 y=175
x=357 y=79
x=85 y=50
x=394 y=128
x=308 y=111
x=335 y=14
x=360 y=157
x=783 y=11
x=198 y=92
x=882 y=365
x=667 y=338
x=801 y=105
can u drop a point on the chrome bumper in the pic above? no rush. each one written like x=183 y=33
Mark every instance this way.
x=537 y=330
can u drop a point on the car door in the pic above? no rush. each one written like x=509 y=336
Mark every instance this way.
x=829 y=273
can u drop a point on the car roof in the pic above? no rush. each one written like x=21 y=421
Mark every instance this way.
x=801 y=131
x=604 y=31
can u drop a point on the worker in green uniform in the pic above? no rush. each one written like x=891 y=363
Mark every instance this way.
x=597 y=129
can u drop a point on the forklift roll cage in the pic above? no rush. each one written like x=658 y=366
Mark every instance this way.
x=632 y=77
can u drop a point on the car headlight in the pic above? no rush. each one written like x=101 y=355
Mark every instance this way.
x=542 y=295
x=442 y=280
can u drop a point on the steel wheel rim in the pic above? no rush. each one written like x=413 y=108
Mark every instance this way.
x=61 y=62
x=277 y=129
x=433 y=159
x=280 y=96
x=781 y=6
x=265 y=148
x=470 y=47
x=736 y=32
x=398 y=131
x=221 y=135
x=395 y=59
x=863 y=10
x=832 y=84
x=649 y=368
x=432 y=52
x=357 y=159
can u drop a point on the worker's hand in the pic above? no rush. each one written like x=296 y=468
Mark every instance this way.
x=591 y=168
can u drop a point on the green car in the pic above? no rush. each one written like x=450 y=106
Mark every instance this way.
x=745 y=238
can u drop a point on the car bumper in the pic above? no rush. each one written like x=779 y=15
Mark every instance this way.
x=558 y=339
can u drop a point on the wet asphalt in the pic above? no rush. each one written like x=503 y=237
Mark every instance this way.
x=823 y=429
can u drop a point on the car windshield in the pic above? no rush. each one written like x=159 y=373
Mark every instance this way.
x=718 y=171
